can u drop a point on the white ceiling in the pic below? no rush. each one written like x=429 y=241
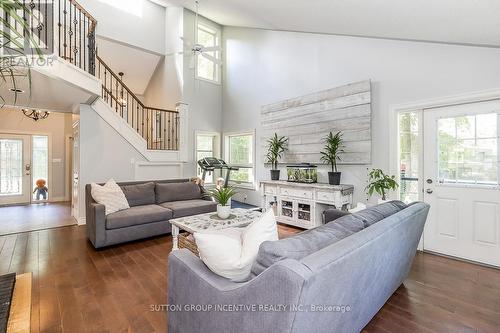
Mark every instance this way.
x=47 y=93
x=137 y=65
x=475 y=22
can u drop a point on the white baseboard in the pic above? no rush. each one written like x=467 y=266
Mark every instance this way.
x=81 y=221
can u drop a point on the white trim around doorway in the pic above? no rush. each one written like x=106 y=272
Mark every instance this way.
x=419 y=107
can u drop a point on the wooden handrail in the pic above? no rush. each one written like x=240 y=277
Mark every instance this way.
x=86 y=13
x=118 y=79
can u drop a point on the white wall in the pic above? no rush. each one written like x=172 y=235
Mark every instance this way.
x=175 y=81
x=105 y=154
x=57 y=126
x=263 y=66
x=136 y=22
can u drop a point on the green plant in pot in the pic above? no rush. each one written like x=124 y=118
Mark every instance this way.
x=334 y=146
x=275 y=149
x=380 y=183
x=223 y=198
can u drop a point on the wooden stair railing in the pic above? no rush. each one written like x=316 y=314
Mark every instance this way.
x=67 y=29
x=159 y=127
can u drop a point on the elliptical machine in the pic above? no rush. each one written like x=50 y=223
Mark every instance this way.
x=210 y=164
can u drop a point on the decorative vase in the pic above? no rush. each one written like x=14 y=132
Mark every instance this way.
x=334 y=178
x=223 y=211
x=275 y=175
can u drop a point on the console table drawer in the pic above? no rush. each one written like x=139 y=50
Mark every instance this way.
x=327 y=196
x=297 y=193
x=273 y=190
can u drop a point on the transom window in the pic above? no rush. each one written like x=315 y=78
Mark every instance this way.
x=467 y=149
x=207 y=69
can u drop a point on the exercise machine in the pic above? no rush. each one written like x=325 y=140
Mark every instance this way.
x=210 y=164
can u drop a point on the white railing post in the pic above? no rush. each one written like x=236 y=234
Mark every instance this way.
x=183 y=133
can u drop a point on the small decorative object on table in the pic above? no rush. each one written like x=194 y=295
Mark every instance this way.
x=381 y=183
x=334 y=145
x=302 y=173
x=223 y=197
x=276 y=147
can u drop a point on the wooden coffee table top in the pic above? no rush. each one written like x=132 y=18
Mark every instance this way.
x=239 y=218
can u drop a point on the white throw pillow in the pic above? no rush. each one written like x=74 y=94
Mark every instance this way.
x=110 y=195
x=231 y=252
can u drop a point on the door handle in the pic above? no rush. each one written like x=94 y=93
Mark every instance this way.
x=429 y=191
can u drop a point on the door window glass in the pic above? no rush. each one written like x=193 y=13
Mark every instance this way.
x=40 y=167
x=467 y=149
x=11 y=166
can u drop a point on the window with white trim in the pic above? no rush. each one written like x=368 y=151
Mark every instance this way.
x=239 y=152
x=208 y=69
x=207 y=145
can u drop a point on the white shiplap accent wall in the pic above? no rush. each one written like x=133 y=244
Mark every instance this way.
x=308 y=119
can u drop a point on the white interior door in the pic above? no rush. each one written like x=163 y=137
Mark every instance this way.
x=461 y=178
x=15 y=169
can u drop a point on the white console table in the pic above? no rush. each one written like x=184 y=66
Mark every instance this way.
x=302 y=205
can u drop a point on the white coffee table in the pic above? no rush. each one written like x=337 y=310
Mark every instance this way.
x=239 y=218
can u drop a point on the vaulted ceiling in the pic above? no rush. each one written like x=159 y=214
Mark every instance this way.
x=138 y=65
x=475 y=22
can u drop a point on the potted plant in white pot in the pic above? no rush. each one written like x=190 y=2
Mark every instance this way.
x=380 y=183
x=275 y=149
x=334 y=146
x=223 y=198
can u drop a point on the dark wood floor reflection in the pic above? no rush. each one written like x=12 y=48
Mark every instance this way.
x=78 y=289
x=14 y=219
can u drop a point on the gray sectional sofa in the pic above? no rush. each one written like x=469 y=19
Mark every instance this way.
x=333 y=278
x=152 y=205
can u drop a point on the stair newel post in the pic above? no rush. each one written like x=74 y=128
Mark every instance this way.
x=181 y=130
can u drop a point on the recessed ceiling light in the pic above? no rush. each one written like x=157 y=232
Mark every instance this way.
x=15 y=90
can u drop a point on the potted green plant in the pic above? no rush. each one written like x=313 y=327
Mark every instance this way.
x=334 y=146
x=380 y=183
x=275 y=149
x=222 y=196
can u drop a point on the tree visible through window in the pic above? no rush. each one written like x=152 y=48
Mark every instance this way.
x=408 y=156
x=467 y=148
x=240 y=153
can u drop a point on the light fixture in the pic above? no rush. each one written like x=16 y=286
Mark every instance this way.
x=121 y=101
x=36 y=115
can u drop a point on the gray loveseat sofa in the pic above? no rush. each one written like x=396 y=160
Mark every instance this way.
x=152 y=205
x=333 y=278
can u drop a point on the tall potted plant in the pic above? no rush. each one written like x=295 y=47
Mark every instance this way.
x=275 y=149
x=223 y=198
x=334 y=146
x=380 y=183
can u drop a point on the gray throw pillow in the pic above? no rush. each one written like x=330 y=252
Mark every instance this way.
x=139 y=194
x=166 y=192
x=301 y=245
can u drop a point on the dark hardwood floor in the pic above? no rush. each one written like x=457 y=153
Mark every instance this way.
x=78 y=289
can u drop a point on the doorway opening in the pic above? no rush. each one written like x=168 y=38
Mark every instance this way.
x=34 y=175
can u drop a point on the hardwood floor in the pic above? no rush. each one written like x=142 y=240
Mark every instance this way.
x=78 y=289
x=14 y=219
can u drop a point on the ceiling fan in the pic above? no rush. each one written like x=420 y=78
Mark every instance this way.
x=194 y=49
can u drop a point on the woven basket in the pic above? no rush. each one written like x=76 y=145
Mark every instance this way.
x=186 y=242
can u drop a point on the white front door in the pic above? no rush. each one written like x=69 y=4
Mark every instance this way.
x=15 y=169
x=461 y=178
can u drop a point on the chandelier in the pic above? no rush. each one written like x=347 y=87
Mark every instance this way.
x=36 y=115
